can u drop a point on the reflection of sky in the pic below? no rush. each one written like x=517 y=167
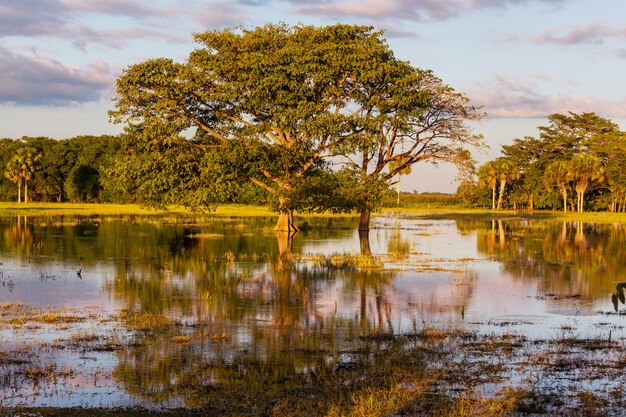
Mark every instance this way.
x=440 y=279
x=55 y=283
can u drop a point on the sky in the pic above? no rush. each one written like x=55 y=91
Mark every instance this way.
x=520 y=60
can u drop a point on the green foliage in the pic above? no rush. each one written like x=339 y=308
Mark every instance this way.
x=575 y=155
x=83 y=184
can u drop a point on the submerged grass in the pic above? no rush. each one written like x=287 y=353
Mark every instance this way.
x=431 y=372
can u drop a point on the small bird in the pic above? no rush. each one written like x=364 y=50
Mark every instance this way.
x=79 y=273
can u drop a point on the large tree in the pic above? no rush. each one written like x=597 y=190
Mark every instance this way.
x=287 y=93
x=407 y=115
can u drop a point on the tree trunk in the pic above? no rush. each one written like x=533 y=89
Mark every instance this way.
x=25 y=191
x=581 y=201
x=285 y=223
x=364 y=241
x=398 y=192
x=364 y=221
x=19 y=192
x=493 y=198
x=531 y=205
x=501 y=195
x=564 y=194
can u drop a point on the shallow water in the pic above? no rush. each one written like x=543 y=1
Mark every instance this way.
x=236 y=296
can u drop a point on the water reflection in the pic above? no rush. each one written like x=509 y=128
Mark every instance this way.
x=567 y=258
x=207 y=305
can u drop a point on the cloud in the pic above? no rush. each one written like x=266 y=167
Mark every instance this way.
x=220 y=15
x=128 y=8
x=62 y=19
x=510 y=97
x=594 y=33
x=412 y=10
x=39 y=80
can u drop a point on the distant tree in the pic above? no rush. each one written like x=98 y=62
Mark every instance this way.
x=584 y=171
x=488 y=177
x=557 y=174
x=612 y=153
x=572 y=134
x=526 y=154
x=83 y=184
x=21 y=168
x=13 y=173
x=506 y=171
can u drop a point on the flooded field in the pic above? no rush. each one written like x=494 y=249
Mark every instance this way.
x=423 y=316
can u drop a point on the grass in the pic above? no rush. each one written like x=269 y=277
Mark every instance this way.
x=432 y=372
x=241 y=210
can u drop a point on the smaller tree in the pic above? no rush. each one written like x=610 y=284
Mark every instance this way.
x=506 y=171
x=488 y=176
x=584 y=171
x=21 y=168
x=558 y=173
x=13 y=174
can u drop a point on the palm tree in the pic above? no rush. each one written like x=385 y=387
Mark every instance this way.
x=506 y=171
x=13 y=173
x=584 y=170
x=487 y=176
x=21 y=168
x=558 y=173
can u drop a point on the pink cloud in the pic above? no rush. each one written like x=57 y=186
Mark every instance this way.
x=594 y=33
x=416 y=10
x=509 y=97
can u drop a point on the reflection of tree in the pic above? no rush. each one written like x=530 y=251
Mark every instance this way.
x=572 y=258
x=397 y=247
x=250 y=321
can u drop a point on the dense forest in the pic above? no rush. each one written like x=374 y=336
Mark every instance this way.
x=575 y=164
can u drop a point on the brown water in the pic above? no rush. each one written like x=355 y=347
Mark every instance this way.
x=239 y=302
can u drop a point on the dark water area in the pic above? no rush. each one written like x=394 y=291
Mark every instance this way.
x=163 y=312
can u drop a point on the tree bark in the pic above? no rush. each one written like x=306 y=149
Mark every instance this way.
x=25 y=192
x=564 y=194
x=364 y=241
x=285 y=223
x=364 y=221
x=19 y=192
x=493 y=198
x=501 y=195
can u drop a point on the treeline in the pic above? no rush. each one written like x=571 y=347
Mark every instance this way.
x=576 y=163
x=95 y=169
x=44 y=169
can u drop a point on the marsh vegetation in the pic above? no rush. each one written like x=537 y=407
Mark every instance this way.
x=193 y=314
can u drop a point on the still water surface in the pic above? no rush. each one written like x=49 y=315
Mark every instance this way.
x=235 y=296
